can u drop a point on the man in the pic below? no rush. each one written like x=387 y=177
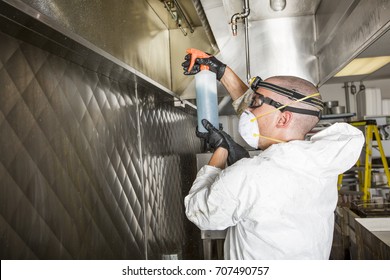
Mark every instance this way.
x=279 y=204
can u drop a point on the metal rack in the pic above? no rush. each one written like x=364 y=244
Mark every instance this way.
x=371 y=208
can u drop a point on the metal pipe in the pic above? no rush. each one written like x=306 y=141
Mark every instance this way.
x=181 y=12
x=182 y=30
x=346 y=90
x=177 y=14
x=225 y=100
x=244 y=15
x=248 y=65
x=236 y=17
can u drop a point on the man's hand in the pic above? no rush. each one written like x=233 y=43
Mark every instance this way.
x=236 y=151
x=214 y=64
x=213 y=136
x=218 y=138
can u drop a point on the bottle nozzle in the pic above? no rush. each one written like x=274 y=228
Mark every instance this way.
x=194 y=55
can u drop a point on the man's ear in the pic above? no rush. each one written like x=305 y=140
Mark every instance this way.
x=284 y=119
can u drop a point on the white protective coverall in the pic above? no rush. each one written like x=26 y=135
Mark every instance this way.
x=279 y=204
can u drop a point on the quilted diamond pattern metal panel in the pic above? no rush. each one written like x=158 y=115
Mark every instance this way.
x=168 y=146
x=69 y=160
x=94 y=161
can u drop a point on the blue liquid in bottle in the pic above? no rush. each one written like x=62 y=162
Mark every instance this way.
x=206 y=98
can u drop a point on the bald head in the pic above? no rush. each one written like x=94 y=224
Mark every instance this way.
x=293 y=83
x=302 y=123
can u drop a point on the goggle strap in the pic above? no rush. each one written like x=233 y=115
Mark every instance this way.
x=287 y=105
x=287 y=93
x=303 y=111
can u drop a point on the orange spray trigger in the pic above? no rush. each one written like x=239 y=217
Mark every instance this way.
x=194 y=55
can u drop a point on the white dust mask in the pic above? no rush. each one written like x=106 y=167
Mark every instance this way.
x=249 y=129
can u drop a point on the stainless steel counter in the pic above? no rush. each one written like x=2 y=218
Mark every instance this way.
x=380 y=227
x=360 y=238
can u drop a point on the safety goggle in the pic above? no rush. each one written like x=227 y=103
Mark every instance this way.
x=258 y=100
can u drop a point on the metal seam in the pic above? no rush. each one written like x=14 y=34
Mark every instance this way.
x=141 y=165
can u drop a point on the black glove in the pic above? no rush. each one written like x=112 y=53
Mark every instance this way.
x=213 y=136
x=218 y=138
x=236 y=151
x=214 y=64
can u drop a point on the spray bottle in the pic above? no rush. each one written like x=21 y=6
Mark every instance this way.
x=206 y=91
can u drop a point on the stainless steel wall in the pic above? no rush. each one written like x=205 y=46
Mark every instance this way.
x=94 y=161
x=278 y=46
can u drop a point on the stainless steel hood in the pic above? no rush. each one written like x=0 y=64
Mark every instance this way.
x=349 y=29
x=142 y=34
x=312 y=39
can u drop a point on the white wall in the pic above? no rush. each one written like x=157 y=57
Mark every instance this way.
x=330 y=92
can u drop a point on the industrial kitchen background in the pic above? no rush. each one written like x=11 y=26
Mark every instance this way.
x=97 y=121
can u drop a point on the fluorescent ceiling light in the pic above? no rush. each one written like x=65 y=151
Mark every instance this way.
x=363 y=66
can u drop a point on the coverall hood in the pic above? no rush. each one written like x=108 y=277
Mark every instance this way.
x=329 y=152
